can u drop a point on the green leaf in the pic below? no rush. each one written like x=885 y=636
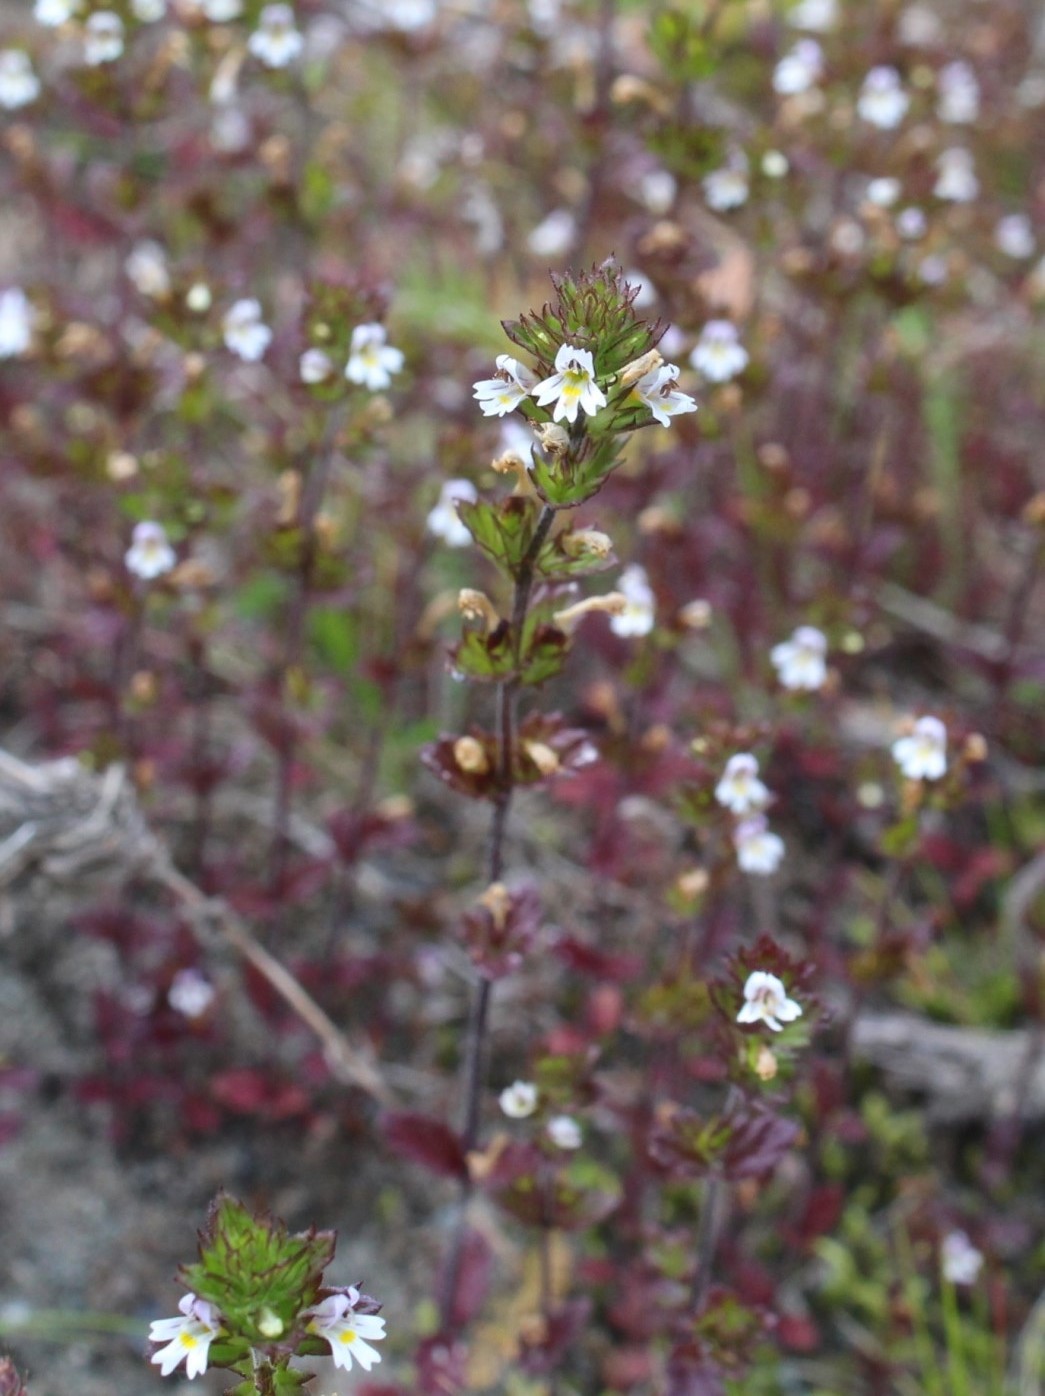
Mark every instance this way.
x=504 y=530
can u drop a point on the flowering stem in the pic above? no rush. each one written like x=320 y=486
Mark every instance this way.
x=707 y=1242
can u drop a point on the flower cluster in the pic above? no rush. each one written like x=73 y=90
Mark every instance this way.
x=742 y=792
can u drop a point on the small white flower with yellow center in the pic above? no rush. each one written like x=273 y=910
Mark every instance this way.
x=519 y=1100
x=443 y=519
x=502 y=394
x=19 y=85
x=565 y=1132
x=276 y=40
x=727 y=188
x=16 y=322
x=800 y=661
x=657 y=391
x=572 y=385
x=883 y=101
x=315 y=366
x=759 y=850
x=102 y=38
x=187 y=1338
x=54 y=12
x=371 y=359
x=346 y=1331
x=766 y=1001
x=923 y=754
x=150 y=554
x=958 y=94
x=956 y=176
x=740 y=789
x=639 y=611
x=800 y=69
x=244 y=331
x=718 y=354
x=960 y=1261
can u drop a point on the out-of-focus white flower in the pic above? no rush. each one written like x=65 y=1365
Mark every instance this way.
x=800 y=661
x=728 y=187
x=883 y=192
x=315 y=366
x=190 y=994
x=188 y=1338
x=775 y=164
x=230 y=131
x=960 y=1261
x=919 y=26
x=199 y=298
x=640 y=282
x=553 y=236
x=956 y=176
x=740 y=789
x=933 y=270
x=657 y=190
x=221 y=11
x=408 y=15
x=55 y=12
x=923 y=754
x=518 y=1100
x=501 y=394
x=572 y=385
x=958 y=94
x=150 y=554
x=1014 y=236
x=371 y=359
x=443 y=519
x=657 y=391
x=758 y=849
x=718 y=354
x=102 y=38
x=800 y=69
x=639 y=613
x=819 y=16
x=883 y=101
x=148 y=11
x=346 y=1331
x=545 y=15
x=766 y=1001
x=16 y=322
x=19 y=85
x=244 y=331
x=565 y=1132
x=276 y=41
x=847 y=238
x=911 y=223
x=146 y=268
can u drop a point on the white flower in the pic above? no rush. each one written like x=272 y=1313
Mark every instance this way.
x=799 y=662
x=518 y=1100
x=919 y=26
x=800 y=69
x=371 y=360
x=766 y=1001
x=190 y=994
x=758 y=850
x=775 y=164
x=657 y=190
x=199 y=298
x=933 y=270
x=956 y=176
x=55 y=12
x=148 y=11
x=443 y=520
x=911 y=223
x=572 y=385
x=883 y=192
x=146 y=266
x=315 y=366
x=882 y=100
x=740 y=789
x=246 y=334
x=150 y=554
x=501 y=394
x=187 y=1338
x=816 y=15
x=407 y=15
x=565 y=1132
x=923 y=754
x=958 y=94
x=657 y=391
x=639 y=611
x=221 y=11
x=959 y=1259
x=276 y=40
x=1014 y=236
x=347 y=1332
x=553 y=236
x=19 y=85
x=727 y=187
x=16 y=322
x=718 y=354
x=102 y=38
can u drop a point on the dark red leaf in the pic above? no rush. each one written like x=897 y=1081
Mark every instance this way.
x=426 y=1141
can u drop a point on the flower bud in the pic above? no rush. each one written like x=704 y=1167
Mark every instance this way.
x=554 y=439
x=498 y=902
x=586 y=542
x=542 y=756
x=612 y=603
x=638 y=368
x=477 y=606
x=470 y=756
